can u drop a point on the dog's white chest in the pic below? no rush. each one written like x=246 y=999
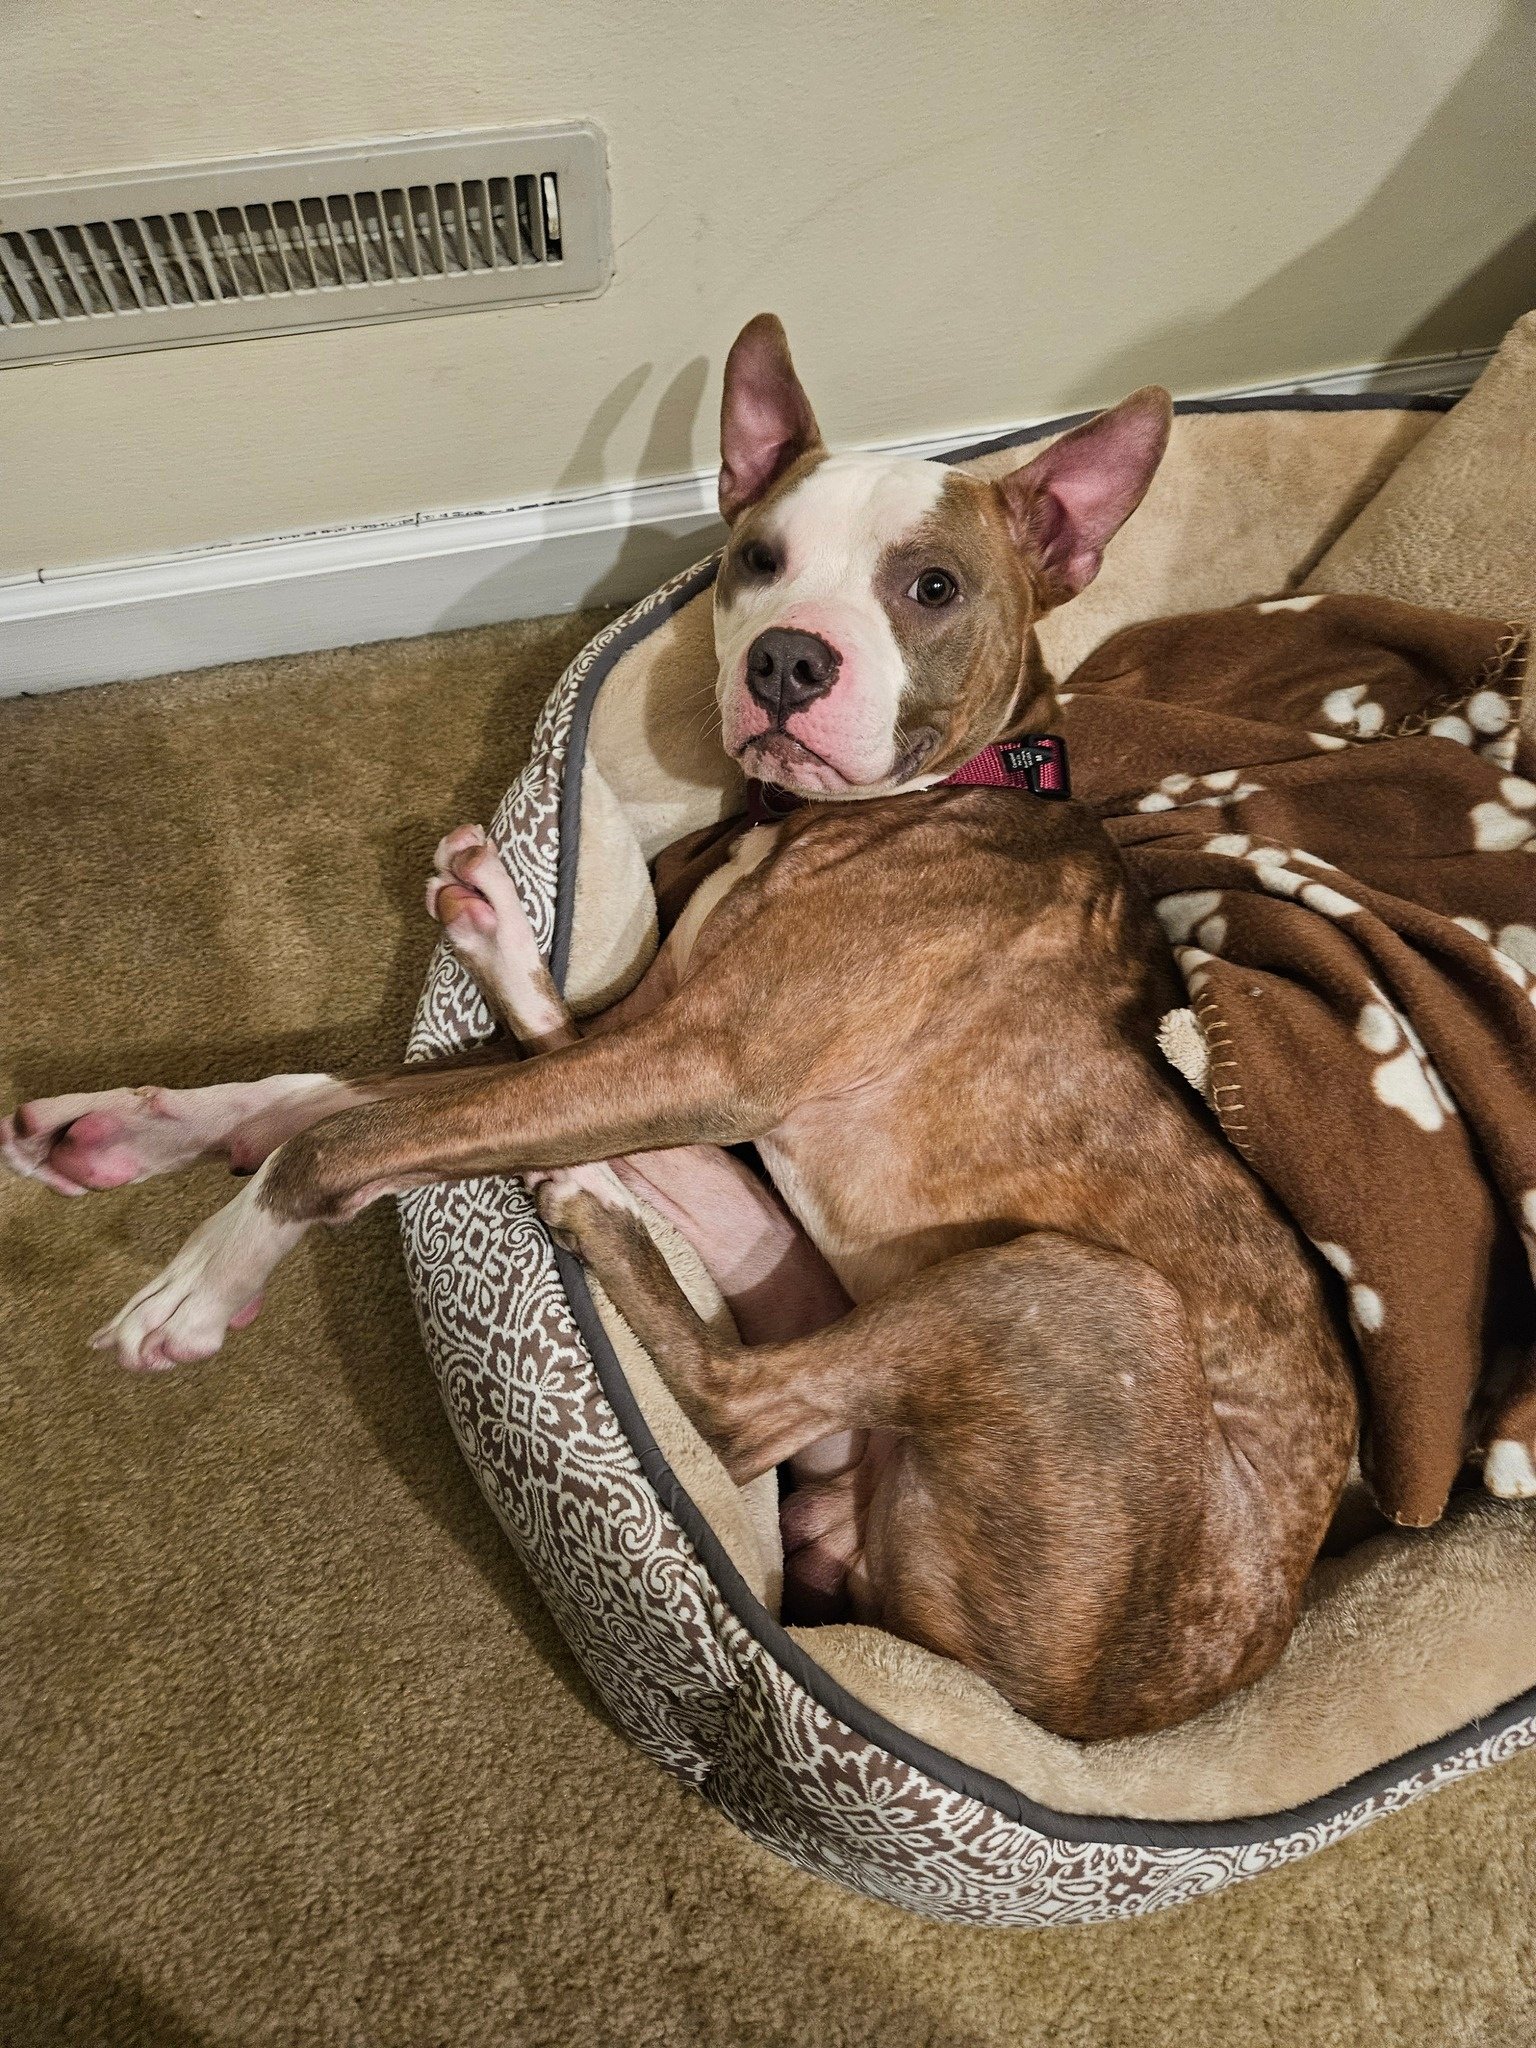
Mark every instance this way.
x=751 y=850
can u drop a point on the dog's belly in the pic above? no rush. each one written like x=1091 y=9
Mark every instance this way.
x=855 y=1189
x=866 y=1267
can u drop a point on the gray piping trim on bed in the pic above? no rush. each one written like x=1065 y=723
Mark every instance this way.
x=1301 y=401
x=946 y=1770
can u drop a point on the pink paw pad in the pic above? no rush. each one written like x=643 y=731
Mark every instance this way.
x=92 y=1153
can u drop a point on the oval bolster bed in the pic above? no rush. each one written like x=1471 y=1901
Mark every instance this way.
x=851 y=1752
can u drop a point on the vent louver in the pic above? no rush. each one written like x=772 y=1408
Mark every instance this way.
x=383 y=231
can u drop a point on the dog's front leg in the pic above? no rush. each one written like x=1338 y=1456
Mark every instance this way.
x=666 y=1080
x=670 y=1078
x=775 y=1282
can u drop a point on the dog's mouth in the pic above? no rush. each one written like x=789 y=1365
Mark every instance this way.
x=777 y=756
x=920 y=748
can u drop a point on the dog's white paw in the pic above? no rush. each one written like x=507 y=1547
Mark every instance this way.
x=213 y=1285
x=80 y=1143
x=475 y=900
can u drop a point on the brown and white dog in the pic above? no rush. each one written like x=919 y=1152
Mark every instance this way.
x=1066 y=1399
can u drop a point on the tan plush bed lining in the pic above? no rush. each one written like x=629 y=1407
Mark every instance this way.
x=1408 y=1636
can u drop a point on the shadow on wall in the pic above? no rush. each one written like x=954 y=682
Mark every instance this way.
x=634 y=557
x=1429 y=206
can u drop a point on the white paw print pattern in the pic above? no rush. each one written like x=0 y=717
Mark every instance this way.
x=1509 y=1470
x=1356 y=713
x=1194 y=913
x=1485 y=722
x=1509 y=964
x=1514 y=950
x=1517 y=942
x=1367 y=1310
x=1276 y=870
x=1405 y=1078
x=1221 y=786
x=1502 y=824
x=1193 y=962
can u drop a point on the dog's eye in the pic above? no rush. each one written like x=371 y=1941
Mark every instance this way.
x=934 y=587
x=758 y=559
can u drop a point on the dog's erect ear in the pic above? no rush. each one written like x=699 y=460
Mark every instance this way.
x=766 y=422
x=1067 y=505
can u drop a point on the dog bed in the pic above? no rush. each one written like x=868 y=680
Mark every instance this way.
x=850 y=1752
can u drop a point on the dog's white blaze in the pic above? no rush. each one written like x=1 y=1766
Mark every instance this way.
x=832 y=530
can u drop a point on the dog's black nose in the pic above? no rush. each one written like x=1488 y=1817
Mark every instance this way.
x=786 y=671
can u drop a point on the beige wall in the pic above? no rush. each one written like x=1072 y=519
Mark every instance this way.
x=967 y=214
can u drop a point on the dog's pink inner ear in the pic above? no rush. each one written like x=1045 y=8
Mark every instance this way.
x=1067 y=505
x=766 y=422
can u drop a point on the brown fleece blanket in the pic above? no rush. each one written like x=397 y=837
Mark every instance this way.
x=1328 y=800
x=1332 y=804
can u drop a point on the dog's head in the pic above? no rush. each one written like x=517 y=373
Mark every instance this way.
x=872 y=611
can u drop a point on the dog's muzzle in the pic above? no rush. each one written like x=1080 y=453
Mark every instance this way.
x=788 y=670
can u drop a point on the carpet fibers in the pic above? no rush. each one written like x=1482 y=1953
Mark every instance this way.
x=291 y=1752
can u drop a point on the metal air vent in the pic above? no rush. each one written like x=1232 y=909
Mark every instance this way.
x=318 y=238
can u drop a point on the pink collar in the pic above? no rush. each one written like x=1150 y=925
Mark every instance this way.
x=1037 y=762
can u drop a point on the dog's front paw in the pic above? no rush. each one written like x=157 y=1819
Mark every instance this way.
x=78 y=1144
x=475 y=900
x=466 y=887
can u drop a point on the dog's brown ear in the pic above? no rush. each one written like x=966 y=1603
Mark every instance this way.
x=766 y=422
x=1067 y=505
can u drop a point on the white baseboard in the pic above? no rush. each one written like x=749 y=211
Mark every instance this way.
x=67 y=627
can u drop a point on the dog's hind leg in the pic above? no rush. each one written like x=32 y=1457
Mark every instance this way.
x=1120 y=1568
x=1509 y=1464
x=660 y=1082
x=665 y=1080
x=723 y=1387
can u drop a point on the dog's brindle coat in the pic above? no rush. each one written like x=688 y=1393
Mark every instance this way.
x=1110 y=1413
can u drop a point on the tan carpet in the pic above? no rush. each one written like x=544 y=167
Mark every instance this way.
x=291 y=1754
